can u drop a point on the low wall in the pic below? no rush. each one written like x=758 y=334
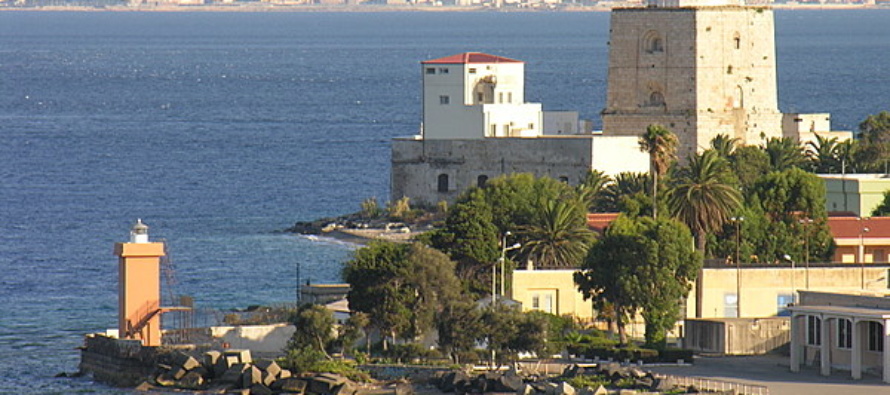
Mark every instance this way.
x=270 y=339
x=122 y=363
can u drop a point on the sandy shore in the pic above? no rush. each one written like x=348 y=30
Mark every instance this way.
x=364 y=236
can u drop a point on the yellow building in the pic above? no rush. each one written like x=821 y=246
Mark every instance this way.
x=855 y=193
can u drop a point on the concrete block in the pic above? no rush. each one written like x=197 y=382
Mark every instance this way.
x=251 y=376
x=268 y=365
x=178 y=373
x=565 y=389
x=284 y=373
x=292 y=385
x=233 y=374
x=267 y=378
x=189 y=362
x=192 y=380
x=242 y=355
x=325 y=383
x=347 y=389
x=526 y=389
x=600 y=390
x=210 y=358
x=259 y=389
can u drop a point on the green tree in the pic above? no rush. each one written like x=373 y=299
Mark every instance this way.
x=400 y=286
x=749 y=162
x=789 y=200
x=470 y=238
x=592 y=189
x=874 y=137
x=558 y=235
x=514 y=198
x=724 y=145
x=824 y=155
x=314 y=324
x=627 y=193
x=703 y=196
x=508 y=331
x=883 y=209
x=641 y=265
x=459 y=326
x=784 y=153
x=661 y=145
x=352 y=330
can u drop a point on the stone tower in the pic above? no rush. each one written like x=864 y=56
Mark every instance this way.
x=700 y=68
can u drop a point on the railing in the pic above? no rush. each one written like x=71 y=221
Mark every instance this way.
x=729 y=264
x=716 y=385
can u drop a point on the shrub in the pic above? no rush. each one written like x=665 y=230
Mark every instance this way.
x=588 y=381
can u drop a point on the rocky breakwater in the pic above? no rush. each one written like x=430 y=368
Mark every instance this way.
x=609 y=378
x=234 y=371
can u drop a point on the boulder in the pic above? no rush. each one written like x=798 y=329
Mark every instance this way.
x=284 y=373
x=446 y=382
x=178 y=373
x=345 y=389
x=404 y=389
x=251 y=376
x=565 y=389
x=508 y=382
x=551 y=389
x=210 y=358
x=662 y=385
x=189 y=362
x=600 y=391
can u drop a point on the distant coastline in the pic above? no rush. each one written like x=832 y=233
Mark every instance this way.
x=266 y=7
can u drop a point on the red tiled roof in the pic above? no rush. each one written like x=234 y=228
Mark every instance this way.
x=471 y=57
x=598 y=222
x=849 y=227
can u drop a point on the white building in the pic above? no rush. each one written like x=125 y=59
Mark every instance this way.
x=477 y=126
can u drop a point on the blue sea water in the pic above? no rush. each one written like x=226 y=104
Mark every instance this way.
x=217 y=129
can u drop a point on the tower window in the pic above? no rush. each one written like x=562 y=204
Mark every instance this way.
x=442 y=183
x=737 y=41
x=431 y=70
x=656 y=99
x=444 y=100
x=652 y=42
x=443 y=70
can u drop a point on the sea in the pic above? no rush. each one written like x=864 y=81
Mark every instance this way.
x=219 y=129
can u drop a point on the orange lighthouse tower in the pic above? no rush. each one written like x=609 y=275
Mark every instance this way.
x=139 y=288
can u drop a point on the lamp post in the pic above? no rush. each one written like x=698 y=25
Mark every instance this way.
x=738 y=265
x=503 y=260
x=862 y=231
x=793 y=268
x=806 y=249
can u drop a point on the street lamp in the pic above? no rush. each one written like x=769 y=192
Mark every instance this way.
x=806 y=248
x=503 y=260
x=862 y=231
x=793 y=292
x=738 y=266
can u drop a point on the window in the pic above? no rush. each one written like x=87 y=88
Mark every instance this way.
x=814 y=330
x=444 y=100
x=737 y=40
x=443 y=70
x=480 y=97
x=481 y=180
x=656 y=99
x=543 y=302
x=500 y=97
x=652 y=42
x=730 y=305
x=506 y=130
x=509 y=97
x=875 y=336
x=472 y=71
x=531 y=126
x=564 y=179
x=443 y=183
x=494 y=130
x=844 y=333
x=431 y=70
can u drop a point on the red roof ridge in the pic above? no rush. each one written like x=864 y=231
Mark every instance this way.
x=471 y=57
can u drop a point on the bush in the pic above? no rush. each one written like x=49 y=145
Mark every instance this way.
x=306 y=359
x=588 y=381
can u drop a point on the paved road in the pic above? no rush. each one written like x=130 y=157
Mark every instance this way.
x=773 y=373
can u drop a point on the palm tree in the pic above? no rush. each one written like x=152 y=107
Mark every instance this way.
x=592 y=188
x=784 y=153
x=624 y=184
x=661 y=144
x=558 y=235
x=824 y=154
x=724 y=145
x=702 y=195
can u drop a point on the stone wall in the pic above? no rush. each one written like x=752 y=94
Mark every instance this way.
x=122 y=363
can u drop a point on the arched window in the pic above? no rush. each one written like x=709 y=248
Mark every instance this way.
x=443 y=183
x=739 y=99
x=481 y=180
x=652 y=42
x=656 y=99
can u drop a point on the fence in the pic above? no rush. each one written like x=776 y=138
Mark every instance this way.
x=716 y=385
